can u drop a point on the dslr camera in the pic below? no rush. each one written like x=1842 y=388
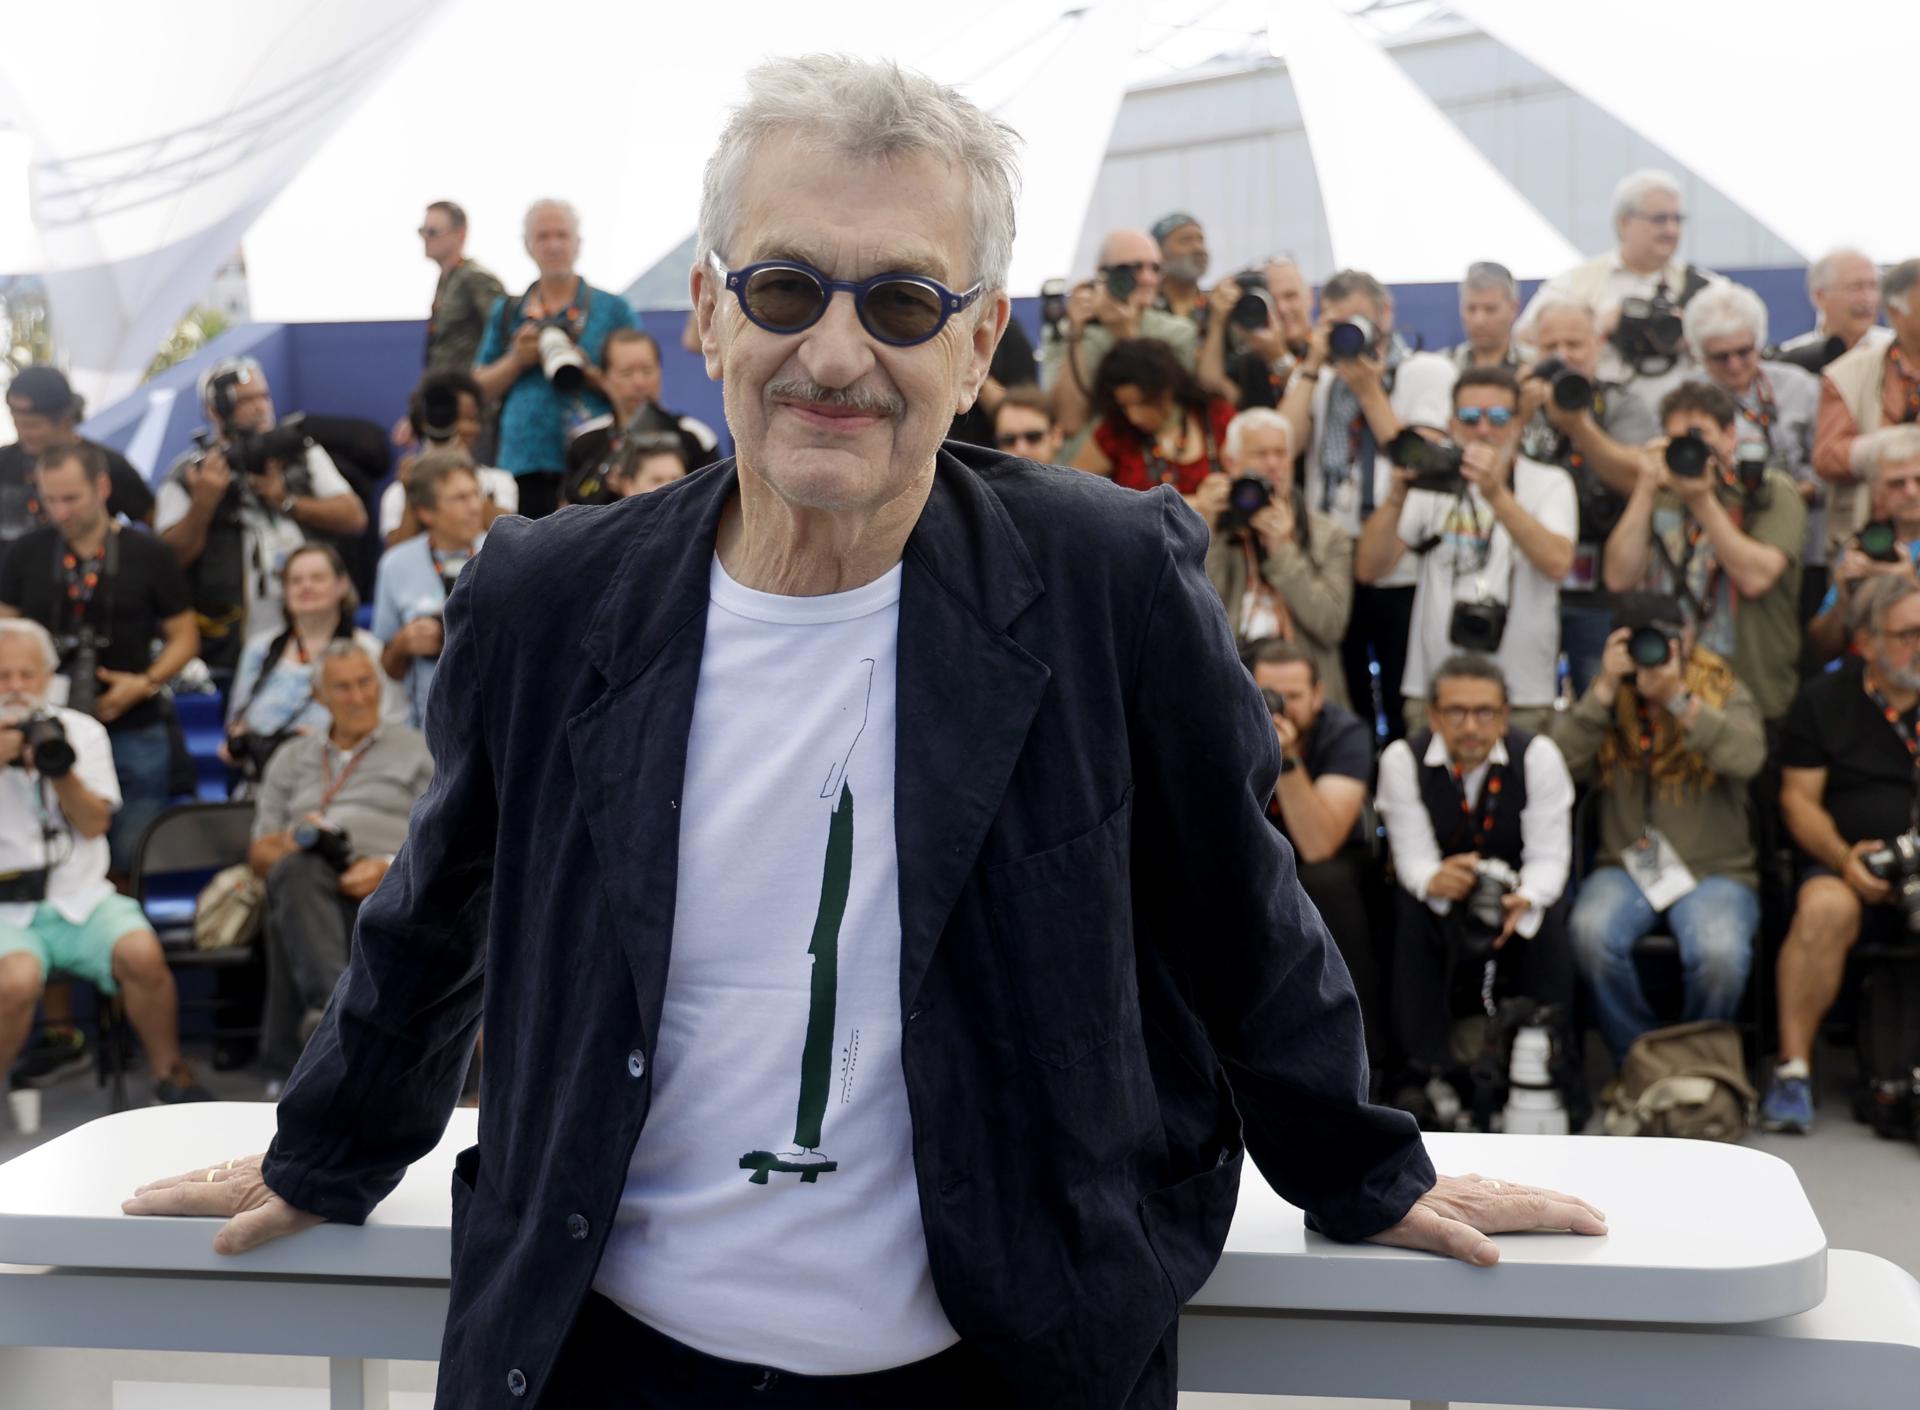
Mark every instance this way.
x=561 y=360
x=1571 y=390
x=1121 y=281
x=1255 y=308
x=1477 y=626
x=1352 y=339
x=1248 y=495
x=1435 y=464
x=1483 y=915
x=80 y=664
x=1649 y=331
x=1880 y=541
x=1898 y=864
x=1651 y=647
x=1688 y=456
x=249 y=451
x=46 y=745
x=326 y=841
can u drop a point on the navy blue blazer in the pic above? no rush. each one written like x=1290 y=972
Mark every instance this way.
x=1110 y=979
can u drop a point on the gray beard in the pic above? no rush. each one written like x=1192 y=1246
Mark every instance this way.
x=1899 y=680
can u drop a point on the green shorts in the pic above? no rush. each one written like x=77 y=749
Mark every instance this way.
x=82 y=951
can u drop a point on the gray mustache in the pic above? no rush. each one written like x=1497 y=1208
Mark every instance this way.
x=809 y=393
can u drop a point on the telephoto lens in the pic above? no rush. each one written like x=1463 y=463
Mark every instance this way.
x=1351 y=339
x=1687 y=456
x=1880 y=541
x=46 y=745
x=562 y=362
x=1571 y=391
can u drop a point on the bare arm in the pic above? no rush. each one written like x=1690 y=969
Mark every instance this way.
x=1549 y=552
x=1319 y=813
x=1751 y=566
x=1806 y=817
x=1630 y=545
x=1616 y=466
x=89 y=813
x=1380 y=547
x=1092 y=459
x=267 y=852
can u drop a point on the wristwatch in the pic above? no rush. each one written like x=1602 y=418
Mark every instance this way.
x=1288 y=763
x=286 y=506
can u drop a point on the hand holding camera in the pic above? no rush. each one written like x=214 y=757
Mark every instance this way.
x=526 y=346
x=38 y=742
x=1210 y=499
x=1274 y=524
x=1488 y=468
x=209 y=477
x=1871 y=864
x=1456 y=878
x=423 y=636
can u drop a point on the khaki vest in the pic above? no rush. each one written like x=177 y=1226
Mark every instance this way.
x=1859 y=376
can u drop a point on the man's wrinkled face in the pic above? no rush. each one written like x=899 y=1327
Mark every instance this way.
x=1487 y=315
x=24 y=677
x=553 y=241
x=1732 y=361
x=830 y=418
x=1850 y=303
x=1896 y=496
x=1896 y=644
x=1568 y=334
x=632 y=375
x=1184 y=253
x=349 y=687
x=1650 y=232
x=1292 y=300
x=1293 y=682
x=1268 y=451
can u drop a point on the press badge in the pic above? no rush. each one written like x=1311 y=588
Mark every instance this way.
x=1657 y=870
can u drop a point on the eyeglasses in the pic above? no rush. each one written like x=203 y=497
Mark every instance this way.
x=1009 y=439
x=429 y=232
x=1674 y=218
x=1907 y=639
x=1721 y=359
x=1479 y=714
x=1496 y=416
x=786 y=296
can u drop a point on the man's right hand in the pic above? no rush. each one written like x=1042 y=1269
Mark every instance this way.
x=526 y=345
x=1865 y=884
x=1454 y=881
x=207 y=482
x=1210 y=498
x=255 y=1214
x=1615 y=666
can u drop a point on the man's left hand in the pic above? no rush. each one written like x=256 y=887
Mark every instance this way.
x=270 y=485
x=1486 y=467
x=1364 y=375
x=358 y=881
x=1454 y=1217
x=1274 y=525
x=124 y=690
x=1515 y=906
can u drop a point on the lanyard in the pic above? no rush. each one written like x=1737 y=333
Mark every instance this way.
x=82 y=577
x=334 y=785
x=1899 y=364
x=1489 y=794
x=1764 y=413
x=1909 y=736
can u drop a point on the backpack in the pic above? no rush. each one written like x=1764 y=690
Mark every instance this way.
x=229 y=911
x=1887 y=1043
x=1688 y=1081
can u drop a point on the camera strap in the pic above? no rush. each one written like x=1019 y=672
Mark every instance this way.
x=337 y=782
x=1489 y=798
x=1912 y=376
x=1907 y=735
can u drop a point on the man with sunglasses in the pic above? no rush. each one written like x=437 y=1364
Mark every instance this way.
x=1023 y=425
x=462 y=297
x=1117 y=303
x=872 y=839
x=1497 y=545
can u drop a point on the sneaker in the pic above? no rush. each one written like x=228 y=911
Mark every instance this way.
x=60 y=1053
x=1789 y=1105
x=180 y=1085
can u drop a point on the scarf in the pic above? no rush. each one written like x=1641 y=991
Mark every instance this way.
x=1678 y=772
x=1346 y=443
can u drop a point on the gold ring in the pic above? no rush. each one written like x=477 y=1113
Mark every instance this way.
x=228 y=1166
x=210 y=1175
x=1495 y=1185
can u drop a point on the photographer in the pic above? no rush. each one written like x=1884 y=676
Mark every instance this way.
x=410 y=590
x=1157 y=425
x=1346 y=421
x=1724 y=536
x=1492 y=534
x=445 y=412
x=632 y=383
x=1846 y=790
x=1183 y=264
x=106 y=594
x=1257 y=332
x=1640 y=288
x=1489 y=302
x=649 y=460
x=1594 y=431
x=463 y=295
x=1889 y=544
x=1023 y=425
x=1326 y=759
x=1726 y=327
x=1875 y=383
x=1478 y=816
x=540 y=359
x=1281 y=569
x=333 y=809
x=232 y=511
x=1843 y=286
x=57 y=909
x=1670 y=739
x=272 y=697
x=1116 y=305
x=45 y=415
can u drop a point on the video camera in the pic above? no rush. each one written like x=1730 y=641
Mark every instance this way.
x=1435 y=464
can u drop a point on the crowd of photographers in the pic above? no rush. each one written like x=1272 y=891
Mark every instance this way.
x=1599 y=617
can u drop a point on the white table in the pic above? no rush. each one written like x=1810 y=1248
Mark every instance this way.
x=1715 y=1285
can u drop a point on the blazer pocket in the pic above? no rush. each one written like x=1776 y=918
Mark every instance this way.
x=1187 y=1222
x=1063 y=922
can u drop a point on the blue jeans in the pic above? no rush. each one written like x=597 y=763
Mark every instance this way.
x=1714 y=924
x=1584 y=629
x=143 y=759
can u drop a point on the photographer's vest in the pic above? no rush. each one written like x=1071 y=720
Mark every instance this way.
x=217 y=579
x=1859 y=375
x=1489 y=824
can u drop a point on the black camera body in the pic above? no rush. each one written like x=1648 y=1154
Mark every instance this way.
x=1483 y=915
x=1898 y=864
x=1352 y=339
x=1814 y=357
x=1688 y=456
x=1880 y=541
x=1254 y=309
x=1435 y=464
x=1053 y=302
x=80 y=664
x=325 y=841
x=1248 y=495
x=1572 y=391
x=46 y=745
x=1121 y=281
x=1649 y=331
x=249 y=451
x=1477 y=626
x=1651 y=647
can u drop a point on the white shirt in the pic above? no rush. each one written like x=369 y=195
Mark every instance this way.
x=1476 y=561
x=771 y=1069
x=1546 y=840
x=77 y=881
x=270 y=537
x=1422 y=395
x=497 y=485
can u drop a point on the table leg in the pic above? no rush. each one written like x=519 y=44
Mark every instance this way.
x=356 y=1385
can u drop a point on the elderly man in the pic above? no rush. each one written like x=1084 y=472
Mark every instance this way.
x=1890 y=470
x=1249 y=362
x=1489 y=302
x=814 y=1061
x=46 y=413
x=1116 y=305
x=1873 y=384
x=331 y=813
x=1843 y=286
x=58 y=911
x=1183 y=264
x=462 y=297
x=542 y=397
x=1640 y=287
x=1726 y=326
x=1596 y=438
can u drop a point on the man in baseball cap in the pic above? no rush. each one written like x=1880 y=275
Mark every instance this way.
x=45 y=414
x=1183 y=264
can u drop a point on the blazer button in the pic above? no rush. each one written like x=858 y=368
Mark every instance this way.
x=636 y=1063
x=577 y=1225
x=516 y=1382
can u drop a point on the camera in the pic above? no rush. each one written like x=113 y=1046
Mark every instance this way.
x=1649 y=330
x=1254 y=309
x=1351 y=339
x=1651 y=647
x=439 y=412
x=1483 y=915
x=1121 y=281
x=1053 y=301
x=80 y=664
x=1571 y=390
x=326 y=841
x=1687 y=456
x=1477 y=626
x=1814 y=357
x=249 y=451
x=1880 y=541
x=1248 y=495
x=1435 y=464
x=1898 y=864
x=46 y=745
x=560 y=358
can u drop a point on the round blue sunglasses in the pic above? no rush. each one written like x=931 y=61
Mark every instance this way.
x=788 y=296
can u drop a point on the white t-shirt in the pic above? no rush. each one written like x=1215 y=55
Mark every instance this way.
x=1475 y=561
x=771 y=1214
x=78 y=881
x=497 y=485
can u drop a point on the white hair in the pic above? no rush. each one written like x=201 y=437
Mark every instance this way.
x=34 y=632
x=1887 y=447
x=1723 y=310
x=868 y=111
x=1820 y=272
x=1552 y=301
x=1636 y=186
x=549 y=203
x=341 y=649
x=1256 y=418
x=1896 y=285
